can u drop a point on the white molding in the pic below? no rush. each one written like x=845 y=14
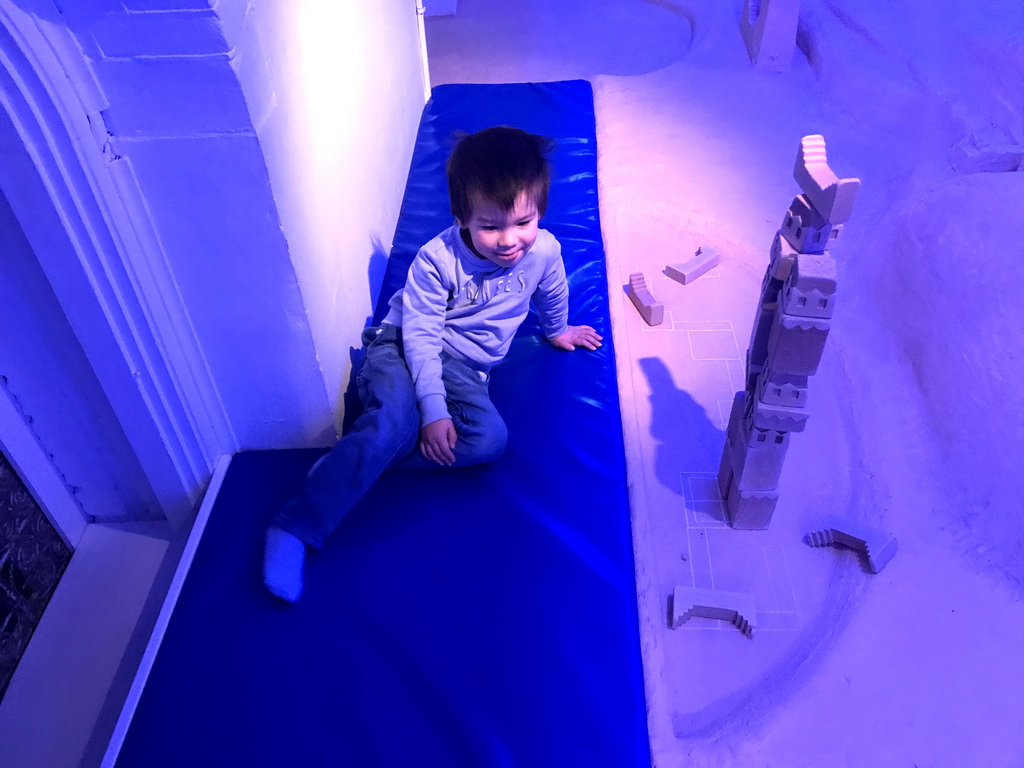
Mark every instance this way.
x=100 y=251
x=421 y=28
x=124 y=720
x=40 y=476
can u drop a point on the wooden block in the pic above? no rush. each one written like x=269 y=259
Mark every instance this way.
x=781 y=389
x=769 y=31
x=757 y=466
x=876 y=545
x=750 y=510
x=738 y=608
x=733 y=433
x=806 y=230
x=783 y=256
x=760 y=333
x=703 y=260
x=650 y=310
x=779 y=418
x=795 y=344
x=725 y=469
x=810 y=289
x=830 y=196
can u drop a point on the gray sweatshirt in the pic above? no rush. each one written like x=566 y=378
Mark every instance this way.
x=455 y=301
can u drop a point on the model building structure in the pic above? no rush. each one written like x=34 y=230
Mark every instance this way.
x=769 y=31
x=787 y=340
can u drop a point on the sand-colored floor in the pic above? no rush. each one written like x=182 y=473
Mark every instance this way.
x=919 y=665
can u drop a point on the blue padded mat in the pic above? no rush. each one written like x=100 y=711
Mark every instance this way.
x=476 y=617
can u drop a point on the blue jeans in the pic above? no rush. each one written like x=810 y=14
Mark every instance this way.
x=386 y=435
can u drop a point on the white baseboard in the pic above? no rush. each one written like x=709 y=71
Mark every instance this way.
x=33 y=465
x=164 y=618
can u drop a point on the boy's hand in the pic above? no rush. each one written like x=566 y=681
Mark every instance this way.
x=437 y=440
x=577 y=336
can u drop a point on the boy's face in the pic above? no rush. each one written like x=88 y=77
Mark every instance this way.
x=502 y=237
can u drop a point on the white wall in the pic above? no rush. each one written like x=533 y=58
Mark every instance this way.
x=244 y=164
x=335 y=91
x=181 y=131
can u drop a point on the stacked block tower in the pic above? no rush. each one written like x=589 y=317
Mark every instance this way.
x=788 y=337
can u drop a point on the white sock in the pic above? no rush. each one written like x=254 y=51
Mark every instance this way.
x=283 y=561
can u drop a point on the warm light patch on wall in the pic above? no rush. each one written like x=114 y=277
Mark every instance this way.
x=345 y=86
x=330 y=73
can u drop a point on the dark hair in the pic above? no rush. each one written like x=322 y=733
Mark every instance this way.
x=498 y=164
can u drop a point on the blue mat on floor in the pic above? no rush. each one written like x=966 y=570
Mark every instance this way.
x=476 y=617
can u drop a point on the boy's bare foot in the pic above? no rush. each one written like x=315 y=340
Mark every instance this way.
x=283 y=562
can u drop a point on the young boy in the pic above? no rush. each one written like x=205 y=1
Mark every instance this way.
x=424 y=380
